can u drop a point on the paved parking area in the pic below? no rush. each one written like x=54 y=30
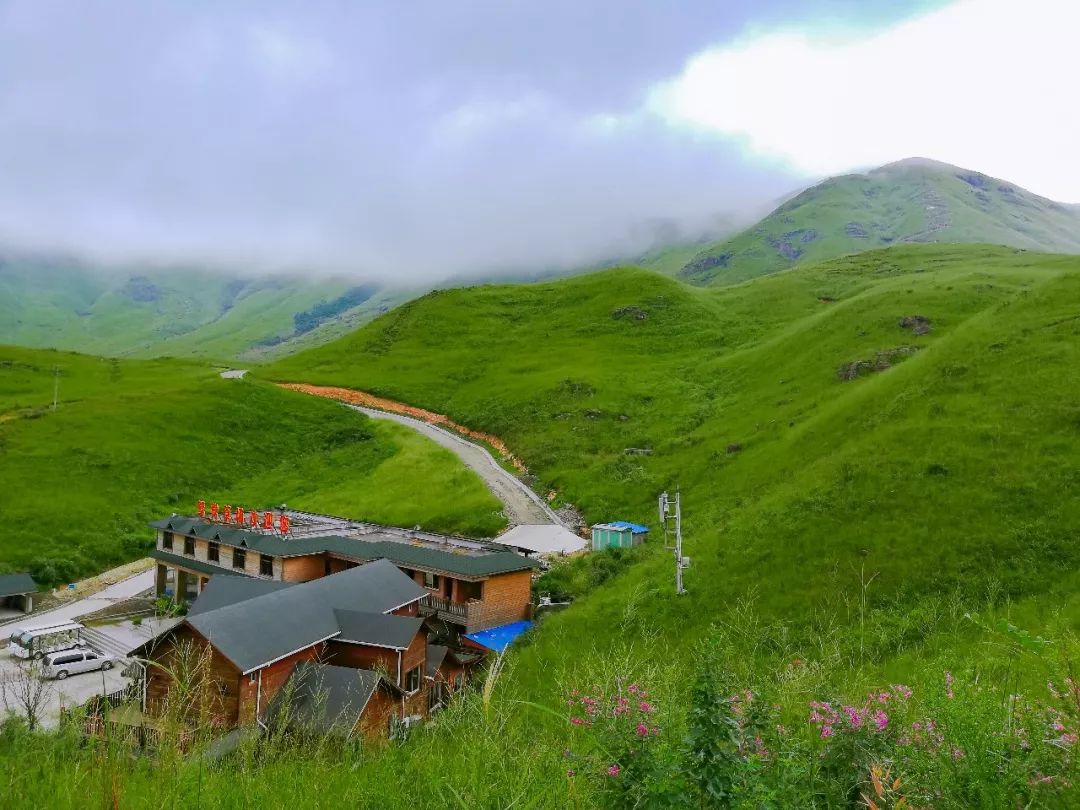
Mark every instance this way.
x=68 y=693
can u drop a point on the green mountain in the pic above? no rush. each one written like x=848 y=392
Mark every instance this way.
x=131 y=440
x=914 y=200
x=64 y=304
x=878 y=459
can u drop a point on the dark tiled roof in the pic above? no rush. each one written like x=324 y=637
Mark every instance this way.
x=436 y=654
x=377 y=629
x=368 y=547
x=193 y=564
x=325 y=697
x=224 y=591
x=422 y=556
x=266 y=628
x=15 y=584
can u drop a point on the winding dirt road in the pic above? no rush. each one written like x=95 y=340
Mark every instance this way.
x=521 y=505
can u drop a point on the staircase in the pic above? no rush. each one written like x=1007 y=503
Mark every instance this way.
x=103 y=642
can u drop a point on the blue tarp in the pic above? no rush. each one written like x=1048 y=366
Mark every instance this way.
x=636 y=528
x=499 y=638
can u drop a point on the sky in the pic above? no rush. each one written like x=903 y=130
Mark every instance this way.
x=420 y=141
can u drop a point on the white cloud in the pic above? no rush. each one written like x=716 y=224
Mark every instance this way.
x=990 y=85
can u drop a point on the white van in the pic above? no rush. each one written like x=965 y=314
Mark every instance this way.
x=71 y=662
x=37 y=642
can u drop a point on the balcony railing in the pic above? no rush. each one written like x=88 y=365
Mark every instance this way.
x=466 y=613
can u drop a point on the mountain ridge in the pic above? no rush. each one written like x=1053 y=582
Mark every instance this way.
x=911 y=200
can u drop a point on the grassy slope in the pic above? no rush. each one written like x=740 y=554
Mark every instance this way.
x=134 y=439
x=943 y=472
x=909 y=201
x=948 y=481
x=192 y=314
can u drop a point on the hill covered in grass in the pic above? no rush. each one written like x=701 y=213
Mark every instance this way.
x=878 y=460
x=914 y=200
x=187 y=312
x=132 y=440
x=871 y=413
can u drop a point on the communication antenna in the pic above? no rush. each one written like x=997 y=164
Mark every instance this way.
x=56 y=387
x=666 y=519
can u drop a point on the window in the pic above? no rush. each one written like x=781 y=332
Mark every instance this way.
x=431 y=581
x=189 y=546
x=412 y=679
x=91 y=656
x=166 y=540
x=239 y=558
x=213 y=552
x=266 y=565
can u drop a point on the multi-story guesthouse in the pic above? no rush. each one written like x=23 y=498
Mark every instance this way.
x=470 y=585
x=366 y=625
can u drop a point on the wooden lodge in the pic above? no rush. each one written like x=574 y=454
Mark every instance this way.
x=330 y=623
x=469 y=585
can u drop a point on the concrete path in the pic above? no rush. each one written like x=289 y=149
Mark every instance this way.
x=125 y=589
x=520 y=504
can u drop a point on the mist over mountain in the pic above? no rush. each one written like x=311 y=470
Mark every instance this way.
x=912 y=200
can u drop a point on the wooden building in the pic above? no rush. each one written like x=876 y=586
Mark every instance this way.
x=469 y=585
x=245 y=640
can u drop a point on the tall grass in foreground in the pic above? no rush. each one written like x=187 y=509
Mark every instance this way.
x=750 y=718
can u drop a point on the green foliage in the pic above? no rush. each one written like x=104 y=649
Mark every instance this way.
x=134 y=440
x=175 y=311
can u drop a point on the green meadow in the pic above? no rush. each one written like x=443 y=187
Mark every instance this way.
x=878 y=457
x=133 y=440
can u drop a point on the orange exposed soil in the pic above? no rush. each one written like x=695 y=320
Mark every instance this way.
x=367 y=400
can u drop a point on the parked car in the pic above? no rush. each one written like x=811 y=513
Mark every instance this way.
x=71 y=662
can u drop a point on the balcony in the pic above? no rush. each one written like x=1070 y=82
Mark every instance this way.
x=463 y=613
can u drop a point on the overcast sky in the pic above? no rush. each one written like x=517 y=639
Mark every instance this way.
x=419 y=140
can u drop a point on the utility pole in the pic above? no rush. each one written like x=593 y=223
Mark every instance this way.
x=56 y=387
x=681 y=562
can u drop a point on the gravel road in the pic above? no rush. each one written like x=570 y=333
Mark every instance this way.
x=521 y=505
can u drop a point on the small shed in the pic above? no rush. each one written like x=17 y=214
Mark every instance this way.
x=17 y=592
x=618 y=534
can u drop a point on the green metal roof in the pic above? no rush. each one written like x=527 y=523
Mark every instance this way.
x=193 y=564
x=418 y=556
x=17 y=584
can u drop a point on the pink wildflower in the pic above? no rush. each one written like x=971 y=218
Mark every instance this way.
x=826 y=732
x=948 y=685
x=881 y=720
x=642 y=730
x=645 y=706
x=1069 y=739
x=853 y=717
x=613 y=770
x=958 y=753
x=781 y=730
x=578 y=721
x=633 y=688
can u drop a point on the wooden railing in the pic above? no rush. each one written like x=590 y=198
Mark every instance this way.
x=463 y=612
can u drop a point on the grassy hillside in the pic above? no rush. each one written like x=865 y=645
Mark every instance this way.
x=913 y=200
x=180 y=311
x=878 y=457
x=797 y=456
x=132 y=440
